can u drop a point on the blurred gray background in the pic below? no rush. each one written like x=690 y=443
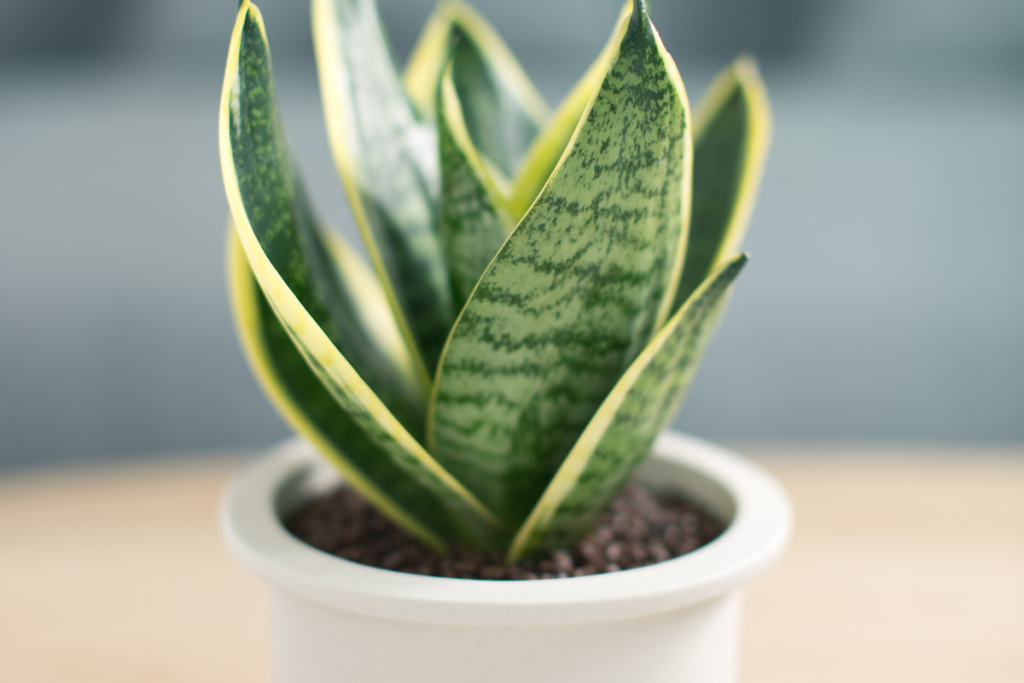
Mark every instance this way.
x=884 y=302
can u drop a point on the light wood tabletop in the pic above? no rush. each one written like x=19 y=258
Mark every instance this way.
x=906 y=565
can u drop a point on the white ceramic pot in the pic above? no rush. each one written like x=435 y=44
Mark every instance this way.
x=333 y=620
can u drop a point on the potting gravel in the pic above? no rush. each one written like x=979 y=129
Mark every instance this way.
x=640 y=528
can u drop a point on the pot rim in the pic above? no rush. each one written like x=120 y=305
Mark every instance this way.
x=753 y=540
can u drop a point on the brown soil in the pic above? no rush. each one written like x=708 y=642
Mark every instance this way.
x=640 y=528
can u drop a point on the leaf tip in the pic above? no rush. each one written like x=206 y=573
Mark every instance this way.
x=253 y=15
x=736 y=265
x=747 y=74
x=746 y=66
x=639 y=8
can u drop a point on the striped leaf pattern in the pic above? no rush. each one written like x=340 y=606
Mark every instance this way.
x=575 y=292
x=287 y=230
x=297 y=274
x=502 y=109
x=473 y=220
x=732 y=129
x=311 y=411
x=539 y=298
x=626 y=424
x=547 y=148
x=388 y=162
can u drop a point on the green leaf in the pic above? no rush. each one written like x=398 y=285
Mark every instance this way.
x=288 y=232
x=311 y=411
x=498 y=124
x=295 y=270
x=731 y=134
x=388 y=162
x=369 y=305
x=576 y=291
x=502 y=108
x=547 y=148
x=624 y=427
x=474 y=222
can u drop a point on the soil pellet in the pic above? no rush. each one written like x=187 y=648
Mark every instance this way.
x=640 y=528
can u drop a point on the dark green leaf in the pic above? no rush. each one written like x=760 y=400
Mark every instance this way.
x=575 y=293
x=474 y=223
x=309 y=408
x=732 y=127
x=313 y=300
x=288 y=232
x=503 y=111
x=388 y=161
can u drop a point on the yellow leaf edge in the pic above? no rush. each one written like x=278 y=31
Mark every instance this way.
x=373 y=308
x=527 y=184
x=325 y=46
x=665 y=309
x=579 y=456
x=743 y=75
x=435 y=387
x=290 y=311
x=242 y=292
x=666 y=304
x=429 y=55
x=484 y=171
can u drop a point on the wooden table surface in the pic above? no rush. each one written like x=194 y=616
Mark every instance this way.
x=906 y=566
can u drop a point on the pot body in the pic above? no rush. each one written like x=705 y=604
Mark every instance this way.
x=317 y=643
x=334 y=620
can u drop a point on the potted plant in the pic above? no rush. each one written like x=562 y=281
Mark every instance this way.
x=542 y=287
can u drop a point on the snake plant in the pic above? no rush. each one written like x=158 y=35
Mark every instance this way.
x=540 y=286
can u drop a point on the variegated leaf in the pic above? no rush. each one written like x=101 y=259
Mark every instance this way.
x=311 y=411
x=502 y=108
x=287 y=229
x=731 y=134
x=288 y=258
x=388 y=162
x=624 y=427
x=547 y=148
x=575 y=292
x=474 y=222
